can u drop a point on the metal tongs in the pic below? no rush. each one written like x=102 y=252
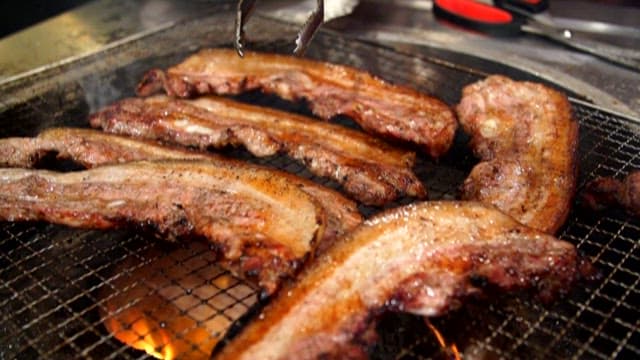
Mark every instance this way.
x=513 y=17
x=245 y=8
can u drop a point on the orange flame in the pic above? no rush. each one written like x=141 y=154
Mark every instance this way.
x=150 y=308
x=134 y=330
x=450 y=350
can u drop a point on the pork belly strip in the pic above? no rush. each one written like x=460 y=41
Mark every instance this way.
x=369 y=170
x=422 y=259
x=391 y=111
x=605 y=192
x=262 y=225
x=92 y=148
x=526 y=137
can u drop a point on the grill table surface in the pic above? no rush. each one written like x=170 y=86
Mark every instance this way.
x=52 y=278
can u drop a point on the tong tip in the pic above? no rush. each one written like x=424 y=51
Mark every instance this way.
x=306 y=33
x=243 y=12
x=309 y=29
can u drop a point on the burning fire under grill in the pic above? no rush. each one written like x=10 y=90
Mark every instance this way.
x=448 y=350
x=178 y=305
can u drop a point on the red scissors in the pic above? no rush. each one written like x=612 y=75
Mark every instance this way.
x=514 y=17
x=503 y=19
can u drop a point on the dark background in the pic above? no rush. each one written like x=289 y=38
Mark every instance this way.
x=20 y=14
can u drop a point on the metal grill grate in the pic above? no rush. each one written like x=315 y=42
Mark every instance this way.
x=599 y=321
x=59 y=288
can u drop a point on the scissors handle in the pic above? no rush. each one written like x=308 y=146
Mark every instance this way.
x=478 y=16
x=530 y=6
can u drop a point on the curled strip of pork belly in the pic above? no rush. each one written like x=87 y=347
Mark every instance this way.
x=422 y=259
x=391 y=111
x=368 y=169
x=526 y=138
x=92 y=148
x=605 y=192
x=263 y=226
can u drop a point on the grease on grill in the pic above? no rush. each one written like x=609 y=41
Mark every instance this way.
x=176 y=305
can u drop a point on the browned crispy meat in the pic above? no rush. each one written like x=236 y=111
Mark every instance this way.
x=605 y=192
x=92 y=148
x=392 y=111
x=527 y=139
x=262 y=225
x=88 y=148
x=369 y=170
x=421 y=259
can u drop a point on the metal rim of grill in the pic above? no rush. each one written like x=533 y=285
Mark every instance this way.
x=56 y=284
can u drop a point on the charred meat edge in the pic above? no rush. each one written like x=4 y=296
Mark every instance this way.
x=606 y=192
x=422 y=259
x=526 y=137
x=391 y=111
x=91 y=148
x=368 y=169
x=263 y=226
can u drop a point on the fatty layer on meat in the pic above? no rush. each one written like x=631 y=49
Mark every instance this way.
x=391 y=111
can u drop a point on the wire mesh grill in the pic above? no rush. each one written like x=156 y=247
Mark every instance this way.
x=71 y=293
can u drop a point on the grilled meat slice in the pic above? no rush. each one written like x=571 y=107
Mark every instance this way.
x=526 y=137
x=368 y=169
x=391 y=111
x=263 y=225
x=87 y=147
x=605 y=192
x=420 y=259
x=92 y=148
